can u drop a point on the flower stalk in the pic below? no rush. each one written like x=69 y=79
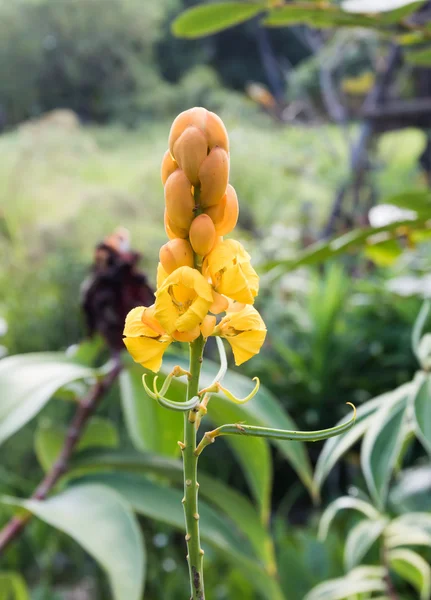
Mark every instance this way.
x=190 y=501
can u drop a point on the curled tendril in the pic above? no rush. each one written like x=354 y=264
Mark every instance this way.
x=217 y=387
x=165 y=402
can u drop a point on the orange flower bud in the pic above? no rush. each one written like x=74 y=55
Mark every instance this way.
x=169 y=165
x=220 y=303
x=176 y=253
x=190 y=150
x=225 y=213
x=172 y=231
x=216 y=132
x=202 y=235
x=214 y=175
x=179 y=199
x=208 y=325
x=196 y=117
x=208 y=122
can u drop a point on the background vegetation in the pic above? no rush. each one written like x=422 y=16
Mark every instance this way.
x=339 y=329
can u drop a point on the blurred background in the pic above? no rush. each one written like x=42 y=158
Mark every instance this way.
x=330 y=132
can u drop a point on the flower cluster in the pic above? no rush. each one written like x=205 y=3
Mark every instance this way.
x=200 y=275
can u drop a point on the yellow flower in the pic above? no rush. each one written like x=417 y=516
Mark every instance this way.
x=244 y=329
x=229 y=267
x=183 y=300
x=144 y=338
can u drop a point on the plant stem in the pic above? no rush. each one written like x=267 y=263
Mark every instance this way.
x=191 y=485
x=84 y=411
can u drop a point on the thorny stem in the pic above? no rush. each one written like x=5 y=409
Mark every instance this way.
x=191 y=485
x=84 y=411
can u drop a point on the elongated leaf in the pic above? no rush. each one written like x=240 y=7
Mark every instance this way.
x=345 y=503
x=321 y=251
x=315 y=16
x=422 y=413
x=413 y=568
x=417 y=200
x=263 y=410
x=13 y=586
x=150 y=426
x=164 y=504
x=50 y=438
x=359 y=581
x=360 y=539
x=336 y=447
x=415 y=520
x=254 y=458
x=101 y=521
x=28 y=381
x=237 y=506
x=381 y=447
x=397 y=534
x=412 y=490
x=211 y=18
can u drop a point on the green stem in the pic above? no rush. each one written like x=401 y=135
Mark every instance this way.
x=190 y=501
x=275 y=434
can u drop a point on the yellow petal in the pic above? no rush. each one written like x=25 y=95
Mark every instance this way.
x=161 y=275
x=194 y=315
x=247 y=344
x=149 y=319
x=134 y=327
x=147 y=351
x=183 y=300
x=228 y=265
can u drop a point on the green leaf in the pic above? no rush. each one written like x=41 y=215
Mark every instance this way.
x=360 y=539
x=101 y=521
x=412 y=490
x=49 y=439
x=164 y=504
x=336 y=447
x=13 y=586
x=321 y=251
x=417 y=200
x=28 y=381
x=150 y=426
x=419 y=58
x=206 y=19
x=253 y=454
x=263 y=410
x=359 y=581
x=227 y=500
x=381 y=447
x=345 y=503
x=315 y=16
x=385 y=253
x=417 y=331
x=422 y=413
x=413 y=568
